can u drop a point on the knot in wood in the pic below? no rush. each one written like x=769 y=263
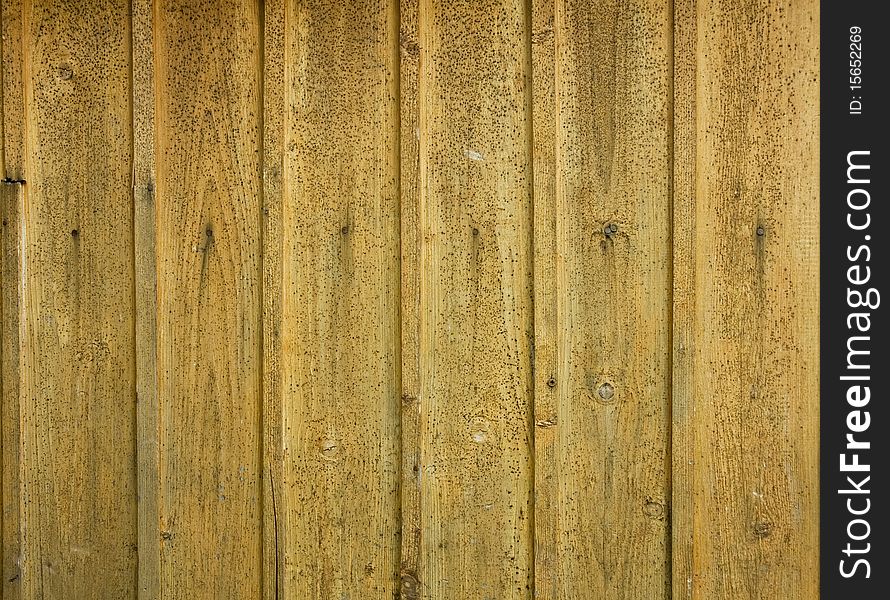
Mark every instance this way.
x=606 y=392
x=410 y=587
x=763 y=529
x=653 y=510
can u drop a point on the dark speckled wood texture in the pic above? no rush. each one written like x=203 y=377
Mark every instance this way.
x=419 y=299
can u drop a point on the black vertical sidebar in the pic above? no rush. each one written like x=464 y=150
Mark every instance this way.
x=854 y=337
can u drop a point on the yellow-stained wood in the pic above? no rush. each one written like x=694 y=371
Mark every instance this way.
x=754 y=316
x=145 y=271
x=77 y=397
x=274 y=119
x=604 y=301
x=545 y=128
x=10 y=212
x=428 y=299
x=476 y=330
x=11 y=196
x=338 y=498
x=13 y=92
x=208 y=208
x=683 y=275
x=409 y=163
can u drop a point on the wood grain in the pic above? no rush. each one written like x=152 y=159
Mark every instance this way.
x=339 y=492
x=409 y=182
x=602 y=461
x=428 y=299
x=683 y=363
x=754 y=315
x=78 y=468
x=11 y=199
x=545 y=130
x=274 y=119
x=10 y=236
x=209 y=330
x=476 y=326
x=13 y=90
x=146 y=282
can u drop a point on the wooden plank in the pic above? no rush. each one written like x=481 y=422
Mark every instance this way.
x=545 y=364
x=11 y=196
x=146 y=281
x=602 y=435
x=475 y=300
x=755 y=311
x=409 y=138
x=209 y=331
x=274 y=64
x=78 y=471
x=339 y=494
x=683 y=261
x=13 y=92
x=10 y=235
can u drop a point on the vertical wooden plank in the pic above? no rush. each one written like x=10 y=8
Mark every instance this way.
x=78 y=471
x=755 y=310
x=13 y=92
x=475 y=300
x=10 y=235
x=339 y=500
x=545 y=356
x=275 y=67
x=409 y=137
x=11 y=195
x=146 y=299
x=603 y=431
x=683 y=267
x=208 y=230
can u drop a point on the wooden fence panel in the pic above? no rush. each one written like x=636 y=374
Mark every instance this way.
x=475 y=300
x=274 y=120
x=11 y=196
x=682 y=357
x=146 y=301
x=747 y=400
x=602 y=360
x=10 y=211
x=409 y=190
x=338 y=497
x=409 y=298
x=208 y=205
x=77 y=400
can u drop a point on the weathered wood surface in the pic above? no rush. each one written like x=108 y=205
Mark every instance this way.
x=11 y=196
x=208 y=210
x=409 y=319
x=476 y=448
x=146 y=301
x=409 y=298
x=77 y=467
x=746 y=397
x=337 y=499
x=602 y=283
